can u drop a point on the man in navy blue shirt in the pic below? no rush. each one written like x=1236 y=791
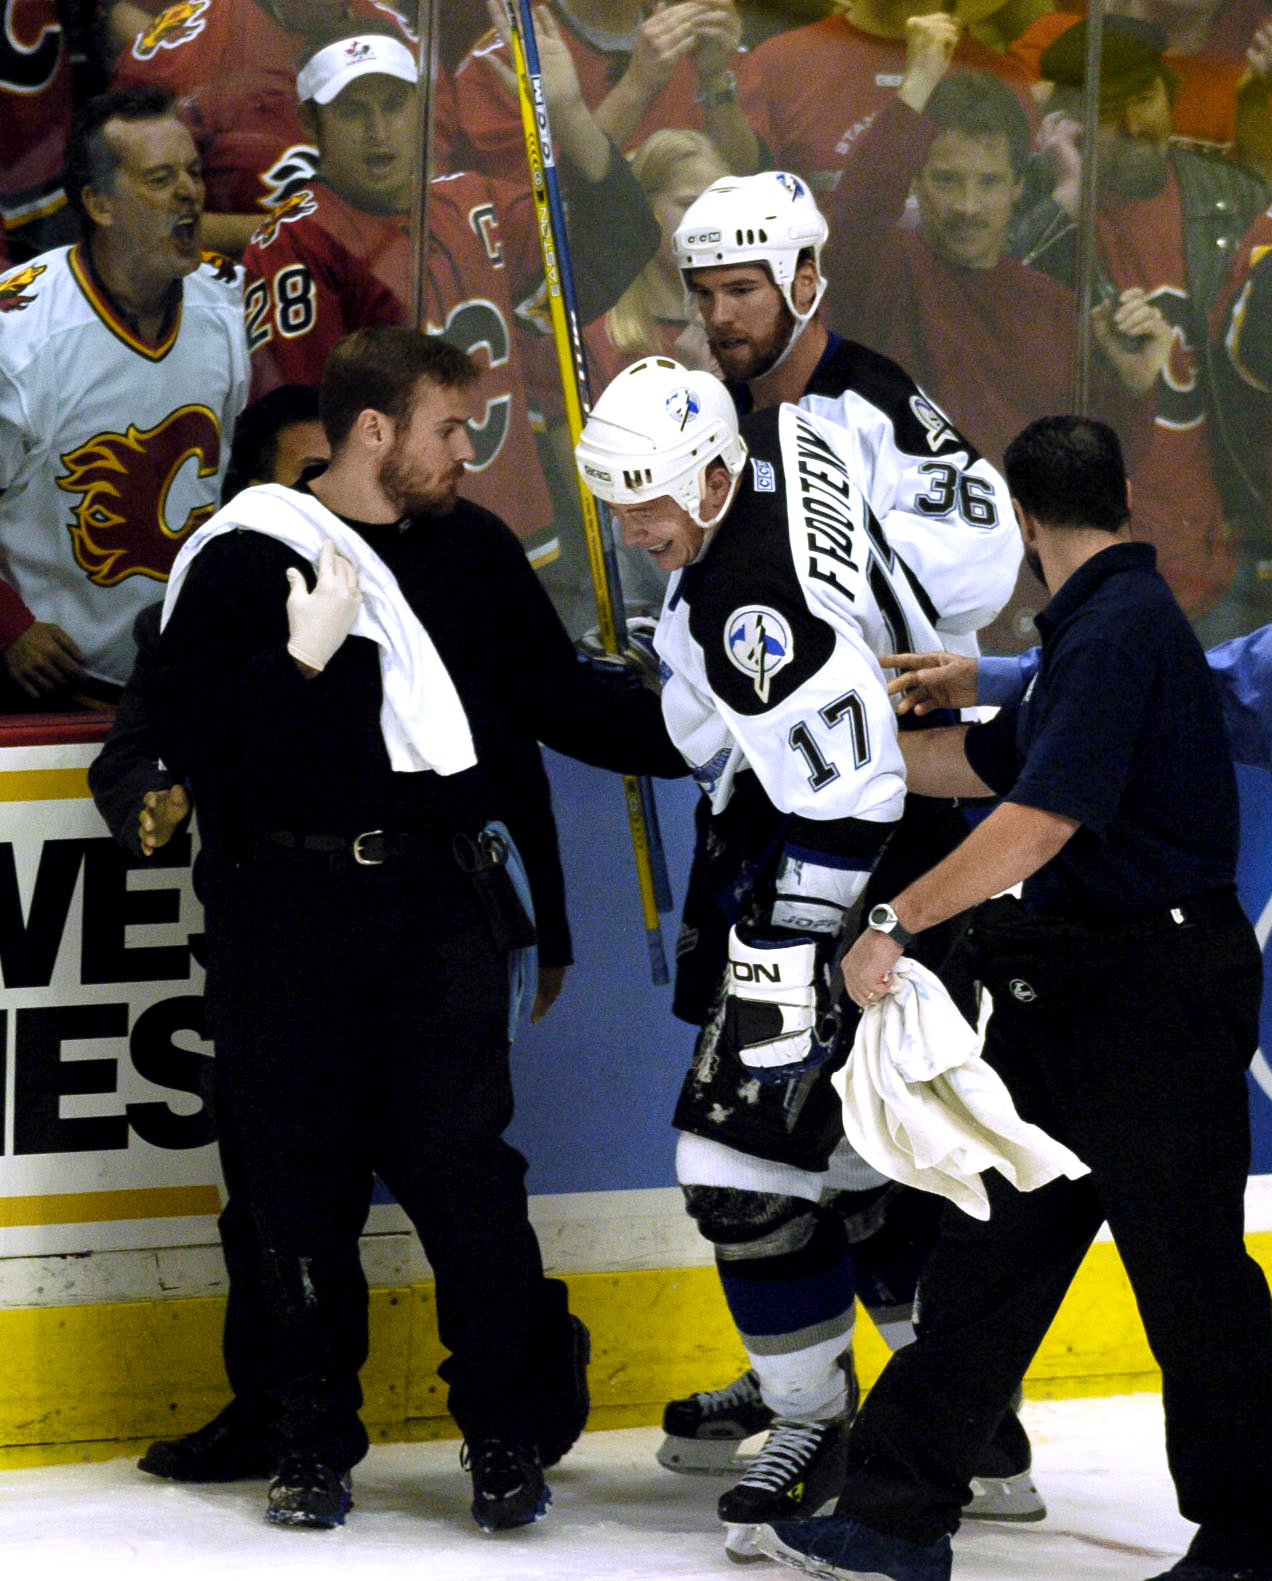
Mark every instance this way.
x=1126 y=990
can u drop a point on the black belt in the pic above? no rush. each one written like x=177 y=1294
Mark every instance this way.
x=1006 y=916
x=371 y=848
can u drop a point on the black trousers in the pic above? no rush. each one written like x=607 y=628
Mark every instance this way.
x=1129 y=1045
x=360 y=1019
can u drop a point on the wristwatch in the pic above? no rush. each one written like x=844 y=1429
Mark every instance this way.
x=883 y=919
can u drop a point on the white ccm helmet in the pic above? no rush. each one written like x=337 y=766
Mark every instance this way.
x=769 y=218
x=654 y=431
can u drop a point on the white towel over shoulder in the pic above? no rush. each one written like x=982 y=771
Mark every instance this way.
x=923 y=1107
x=421 y=717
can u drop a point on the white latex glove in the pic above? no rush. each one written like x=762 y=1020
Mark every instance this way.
x=319 y=622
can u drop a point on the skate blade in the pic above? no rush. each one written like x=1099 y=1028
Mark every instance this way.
x=740 y=1544
x=771 y=1546
x=1004 y=1499
x=704 y=1457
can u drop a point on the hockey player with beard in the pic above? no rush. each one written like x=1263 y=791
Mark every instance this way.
x=785 y=590
x=750 y=252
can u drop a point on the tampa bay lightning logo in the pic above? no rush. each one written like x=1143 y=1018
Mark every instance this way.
x=759 y=643
x=791 y=185
x=682 y=406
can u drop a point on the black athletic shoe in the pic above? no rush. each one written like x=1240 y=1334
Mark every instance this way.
x=567 y=1404
x=306 y=1492
x=232 y=1446
x=508 y=1485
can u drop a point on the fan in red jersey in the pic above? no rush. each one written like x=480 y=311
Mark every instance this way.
x=812 y=92
x=35 y=111
x=231 y=64
x=335 y=256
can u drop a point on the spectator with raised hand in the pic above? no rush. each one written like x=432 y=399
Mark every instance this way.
x=991 y=341
x=1215 y=99
x=639 y=67
x=336 y=254
x=1169 y=219
x=811 y=93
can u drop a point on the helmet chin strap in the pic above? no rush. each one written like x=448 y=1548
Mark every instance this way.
x=802 y=321
x=709 y=527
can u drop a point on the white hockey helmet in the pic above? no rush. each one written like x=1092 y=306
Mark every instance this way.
x=654 y=431
x=769 y=218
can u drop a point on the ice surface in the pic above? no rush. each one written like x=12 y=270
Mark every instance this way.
x=1099 y=1463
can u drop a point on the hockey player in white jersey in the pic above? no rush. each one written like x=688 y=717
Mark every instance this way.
x=123 y=364
x=750 y=253
x=749 y=250
x=785 y=590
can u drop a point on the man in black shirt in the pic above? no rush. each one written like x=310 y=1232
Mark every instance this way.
x=1126 y=992
x=347 y=745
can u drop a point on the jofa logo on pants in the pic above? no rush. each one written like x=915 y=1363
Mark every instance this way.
x=1020 y=989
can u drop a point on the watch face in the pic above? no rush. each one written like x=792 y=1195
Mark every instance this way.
x=882 y=917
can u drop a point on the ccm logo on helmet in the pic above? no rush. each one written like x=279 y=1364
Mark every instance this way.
x=753 y=972
x=595 y=472
x=697 y=238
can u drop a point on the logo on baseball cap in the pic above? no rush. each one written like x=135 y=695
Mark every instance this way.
x=332 y=69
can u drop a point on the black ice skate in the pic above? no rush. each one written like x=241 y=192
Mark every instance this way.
x=799 y=1469
x=508 y=1485
x=706 y=1430
x=307 y=1492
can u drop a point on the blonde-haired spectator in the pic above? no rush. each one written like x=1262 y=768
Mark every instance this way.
x=674 y=167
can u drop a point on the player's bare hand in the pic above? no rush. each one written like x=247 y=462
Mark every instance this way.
x=929 y=681
x=718 y=32
x=556 y=64
x=162 y=813
x=867 y=967
x=1135 y=337
x=930 y=42
x=550 y=983
x=43 y=659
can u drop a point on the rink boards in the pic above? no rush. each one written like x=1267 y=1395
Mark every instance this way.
x=111 y=1284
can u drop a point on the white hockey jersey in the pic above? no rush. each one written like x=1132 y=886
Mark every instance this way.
x=769 y=642
x=943 y=507
x=111 y=451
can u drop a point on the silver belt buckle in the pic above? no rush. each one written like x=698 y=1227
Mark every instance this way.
x=366 y=861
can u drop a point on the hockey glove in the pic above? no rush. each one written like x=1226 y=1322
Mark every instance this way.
x=318 y=622
x=781 y=1013
x=638 y=658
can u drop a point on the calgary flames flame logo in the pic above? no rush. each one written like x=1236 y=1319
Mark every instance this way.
x=171 y=28
x=292 y=208
x=12 y=287
x=122 y=523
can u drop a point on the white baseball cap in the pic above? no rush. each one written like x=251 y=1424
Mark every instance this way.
x=333 y=68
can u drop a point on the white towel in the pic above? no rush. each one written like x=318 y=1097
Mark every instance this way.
x=421 y=717
x=922 y=1106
